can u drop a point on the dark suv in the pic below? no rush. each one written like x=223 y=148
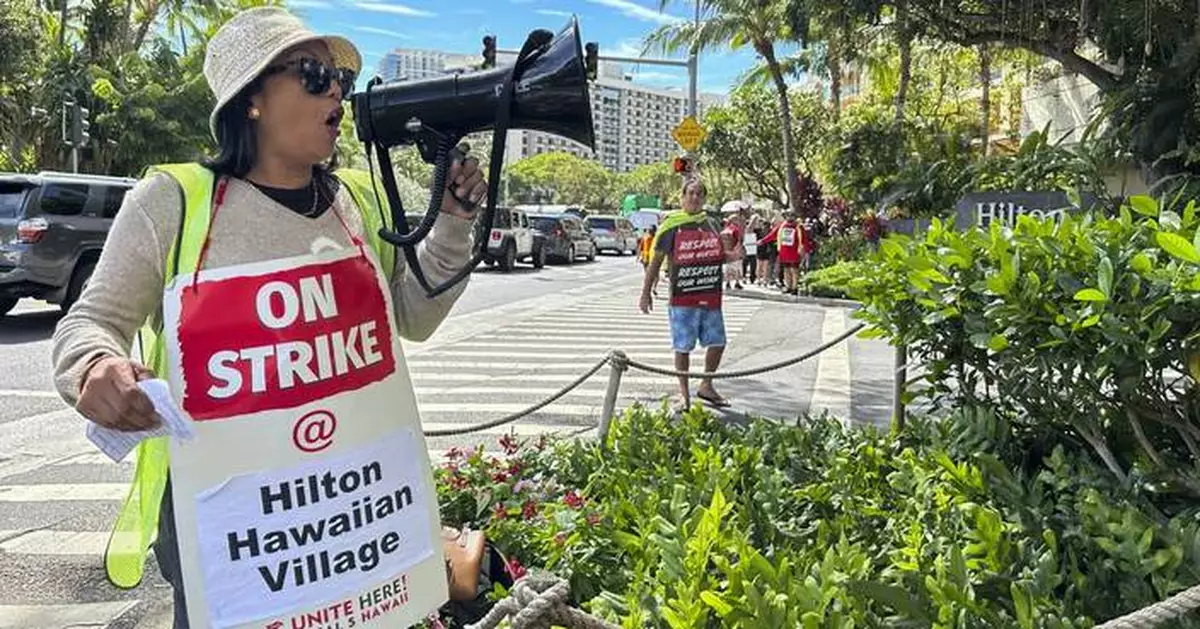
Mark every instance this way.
x=566 y=237
x=52 y=227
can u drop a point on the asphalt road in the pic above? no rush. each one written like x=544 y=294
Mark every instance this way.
x=512 y=340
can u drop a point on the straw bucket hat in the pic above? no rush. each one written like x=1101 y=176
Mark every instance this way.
x=249 y=42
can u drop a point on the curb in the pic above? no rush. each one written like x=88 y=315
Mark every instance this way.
x=832 y=302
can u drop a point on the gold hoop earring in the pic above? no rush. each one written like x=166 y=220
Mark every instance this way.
x=254 y=113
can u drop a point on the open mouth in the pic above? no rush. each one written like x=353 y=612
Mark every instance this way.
x=334 y=118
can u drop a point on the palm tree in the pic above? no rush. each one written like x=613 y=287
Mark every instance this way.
x=737 y=23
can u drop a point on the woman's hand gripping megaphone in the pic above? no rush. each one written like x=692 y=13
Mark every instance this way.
x=465 y=183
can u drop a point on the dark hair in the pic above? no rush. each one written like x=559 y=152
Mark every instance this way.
x=687 y=183
x=237 y=139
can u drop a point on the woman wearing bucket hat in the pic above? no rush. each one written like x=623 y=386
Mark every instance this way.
x=269 y=195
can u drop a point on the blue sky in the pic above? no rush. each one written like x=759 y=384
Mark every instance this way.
x=377 y=26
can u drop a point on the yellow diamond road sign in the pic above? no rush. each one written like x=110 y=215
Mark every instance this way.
x=689 y=134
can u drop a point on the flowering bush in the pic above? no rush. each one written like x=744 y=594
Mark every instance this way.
x=695 y=524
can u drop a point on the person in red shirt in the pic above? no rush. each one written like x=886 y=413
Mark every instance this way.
x=789 y=238
x=731 y=237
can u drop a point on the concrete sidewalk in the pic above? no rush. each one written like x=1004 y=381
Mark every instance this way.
x=851 y=380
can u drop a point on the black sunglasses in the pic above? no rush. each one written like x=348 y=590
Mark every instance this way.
x=316 y=76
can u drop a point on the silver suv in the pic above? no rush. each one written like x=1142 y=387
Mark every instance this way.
x=613 y=233
x=52 y=227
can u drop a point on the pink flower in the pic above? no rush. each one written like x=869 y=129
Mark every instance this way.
x=458 y=482
x=514 y=468
x=514 y=568
x=455 y=453
x=509 y=444
x=529 y=509
x=499 y=512
x=573 y=500
x=500 y=477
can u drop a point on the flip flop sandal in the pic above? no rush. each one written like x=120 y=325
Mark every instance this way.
x=717 y=401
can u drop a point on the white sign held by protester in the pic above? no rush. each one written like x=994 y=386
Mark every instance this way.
x=307 y=491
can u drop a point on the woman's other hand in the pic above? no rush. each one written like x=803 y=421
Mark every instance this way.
x=111 y=398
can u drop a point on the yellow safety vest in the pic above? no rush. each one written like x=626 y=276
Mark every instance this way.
x=136 y=527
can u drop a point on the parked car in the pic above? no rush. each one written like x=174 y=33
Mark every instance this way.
x=613 y=233
x=52 y=228
x=567 y=237
x=513 y=239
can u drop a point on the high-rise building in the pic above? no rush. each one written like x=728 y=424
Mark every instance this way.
x=407 y=64
x=632 y=121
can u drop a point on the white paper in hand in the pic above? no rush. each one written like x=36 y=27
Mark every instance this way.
x=117 y=444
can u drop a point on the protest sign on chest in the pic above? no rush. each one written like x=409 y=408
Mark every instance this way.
x=306 y=498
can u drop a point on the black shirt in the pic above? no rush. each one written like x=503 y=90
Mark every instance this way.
x=321 y=190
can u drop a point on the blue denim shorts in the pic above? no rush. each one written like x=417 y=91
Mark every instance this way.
x=690 y=324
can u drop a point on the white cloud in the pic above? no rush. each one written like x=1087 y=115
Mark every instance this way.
x=381 y=31
x=309 y=4
x=554 y=13
x=395 y=9
x=638 y=12
x=629 y=47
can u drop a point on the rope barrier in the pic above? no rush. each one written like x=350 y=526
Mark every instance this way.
x=718 y=375
x=450 y=432
x=539 y=602
x=1158 y=613
x=620 y=363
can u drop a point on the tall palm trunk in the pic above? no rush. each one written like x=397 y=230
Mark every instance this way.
x=767 y=50
x=904 y=41
x=834 y=61
x=985 y=101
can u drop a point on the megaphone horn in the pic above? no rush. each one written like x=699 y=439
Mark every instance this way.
x=551 y=95
x=545 y=90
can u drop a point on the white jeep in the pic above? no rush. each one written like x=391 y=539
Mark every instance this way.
x=513 y=239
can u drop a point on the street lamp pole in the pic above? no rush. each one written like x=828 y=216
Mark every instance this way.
x=693 y=64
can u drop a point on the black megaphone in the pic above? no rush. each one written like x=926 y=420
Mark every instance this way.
x=546 y=89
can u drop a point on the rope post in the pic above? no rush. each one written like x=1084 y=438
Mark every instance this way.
x=901 y=376
x=619 y=362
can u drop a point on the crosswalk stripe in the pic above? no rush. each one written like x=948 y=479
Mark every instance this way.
x=28 y=393
x=449 y=354
x=76 y=615
x=550 y=343
x=53 y=542
x=499 y=408
x=593 y=393
x=541 y=377
x=414 y=365
x=54 y=492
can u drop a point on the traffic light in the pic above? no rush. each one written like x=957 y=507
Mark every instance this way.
x=591 y=59
x=79 y=126
x=489 y=52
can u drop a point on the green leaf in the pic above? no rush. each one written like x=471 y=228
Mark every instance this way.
x=718 y=604
x=893 y=596
x=1178 y=246
x=1022 y=605
x=997 y=343
x=1144 y=205
x=1090 y=321
x=1189 y=213
x=1170 y=220
x=1104 y=276
x=1090 y=294
x=1141 y=263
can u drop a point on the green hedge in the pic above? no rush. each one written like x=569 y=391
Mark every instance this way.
x=692 y=524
